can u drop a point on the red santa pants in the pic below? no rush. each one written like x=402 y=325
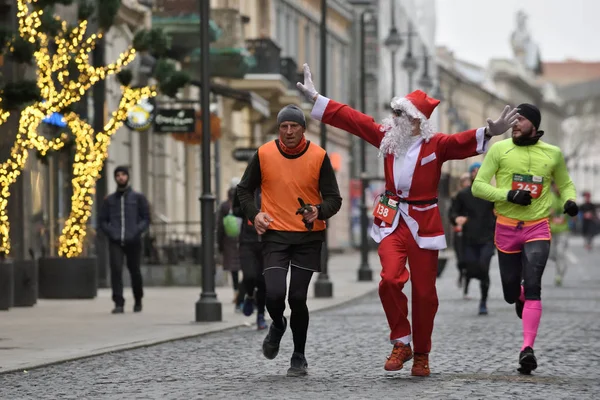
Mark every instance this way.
x=394 y=251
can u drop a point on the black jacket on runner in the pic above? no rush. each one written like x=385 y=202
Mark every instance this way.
x=481 y=221
x=247 y=232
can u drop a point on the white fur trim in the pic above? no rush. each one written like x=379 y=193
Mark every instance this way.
x=405 y=340
x=319 y=108
x=378 y=233
x=404 y=104
x=482 y=141
x=430 y=242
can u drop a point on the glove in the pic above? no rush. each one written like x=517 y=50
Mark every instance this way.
x=308 y=88
x=521 y=197
x=571 y=208
x=507 y=119
x=304 y=207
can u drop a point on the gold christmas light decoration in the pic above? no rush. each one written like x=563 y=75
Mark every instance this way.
x=88 y=162
x=91 y=149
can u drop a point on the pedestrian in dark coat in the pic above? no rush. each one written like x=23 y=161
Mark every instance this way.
x=124 y=217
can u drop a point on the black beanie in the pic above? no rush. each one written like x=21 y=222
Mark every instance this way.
x=532 y=113
x=121 y=168
x=291 y=113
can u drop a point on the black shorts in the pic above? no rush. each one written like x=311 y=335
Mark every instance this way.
x=282 y=255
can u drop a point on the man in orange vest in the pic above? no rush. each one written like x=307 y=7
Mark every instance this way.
x=288 y=169
x=407 y=223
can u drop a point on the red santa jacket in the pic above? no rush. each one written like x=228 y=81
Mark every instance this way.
x=413 y=178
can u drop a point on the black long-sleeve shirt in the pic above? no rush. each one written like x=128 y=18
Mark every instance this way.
x=481 y=221
x=328 y=186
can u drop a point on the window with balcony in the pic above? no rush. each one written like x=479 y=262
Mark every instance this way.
x=308 y=55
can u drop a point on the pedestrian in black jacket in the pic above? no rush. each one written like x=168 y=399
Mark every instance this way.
x=476 y=216
x=251 y=260
x=124 y=217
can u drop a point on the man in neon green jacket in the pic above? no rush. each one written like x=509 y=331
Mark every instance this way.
x=524 y=168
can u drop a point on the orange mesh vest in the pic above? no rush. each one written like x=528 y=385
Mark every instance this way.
x=283 y=180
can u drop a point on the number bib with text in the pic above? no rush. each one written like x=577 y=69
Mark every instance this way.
x=528 y=182
x=386 y=210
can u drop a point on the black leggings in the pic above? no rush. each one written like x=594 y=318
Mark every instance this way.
x=477 y=260
x=235 y=279
x=276 y=283
x=527 y=266
x=251 y=259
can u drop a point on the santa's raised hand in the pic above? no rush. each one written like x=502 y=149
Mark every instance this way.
x=506 y=121
x=308 y=88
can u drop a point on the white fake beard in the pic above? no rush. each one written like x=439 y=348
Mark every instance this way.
x=398 y=136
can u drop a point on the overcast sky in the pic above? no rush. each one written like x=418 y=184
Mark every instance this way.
x=477 y=30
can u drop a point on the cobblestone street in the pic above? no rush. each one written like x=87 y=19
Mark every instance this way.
x=473 y=357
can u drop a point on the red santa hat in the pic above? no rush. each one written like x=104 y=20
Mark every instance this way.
x=416 y=105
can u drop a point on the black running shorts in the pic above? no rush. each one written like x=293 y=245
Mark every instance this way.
x=282 y=255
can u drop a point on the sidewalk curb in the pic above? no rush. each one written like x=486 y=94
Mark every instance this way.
x=150 y=343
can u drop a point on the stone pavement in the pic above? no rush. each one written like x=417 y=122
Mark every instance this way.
x=473 y=357
x=58 y=330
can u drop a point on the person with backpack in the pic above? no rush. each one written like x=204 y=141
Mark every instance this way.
x=228 y=231
x=252 y=289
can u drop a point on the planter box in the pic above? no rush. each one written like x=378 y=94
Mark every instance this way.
x=68 y=278
x=26 y=283
x=6 y=284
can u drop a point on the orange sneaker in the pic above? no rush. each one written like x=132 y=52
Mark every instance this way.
x=401 y=353
x=420 y=365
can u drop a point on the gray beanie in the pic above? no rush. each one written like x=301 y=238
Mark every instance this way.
x=291 y=113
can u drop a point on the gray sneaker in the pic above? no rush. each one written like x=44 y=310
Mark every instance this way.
x=298 y=365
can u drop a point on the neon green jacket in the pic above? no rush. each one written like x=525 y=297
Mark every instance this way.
x=541 y=160
x=556 y=210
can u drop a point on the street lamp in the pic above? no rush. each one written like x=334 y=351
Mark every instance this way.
x=208 y=308
x=323 y=286
x=364 y=271
x=410 y=62
x=393 y=43
x=426 y=82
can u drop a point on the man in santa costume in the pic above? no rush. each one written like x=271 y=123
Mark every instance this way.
x=407 y=223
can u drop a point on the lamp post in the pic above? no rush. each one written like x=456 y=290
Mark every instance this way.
x=323 y=286
x=393 y=43
x=208 y=308
x=425 y=82
x=410 y=62
x=364 y=271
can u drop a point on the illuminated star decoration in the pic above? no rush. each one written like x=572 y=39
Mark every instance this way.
x=91 y=148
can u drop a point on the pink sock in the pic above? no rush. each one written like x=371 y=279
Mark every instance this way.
x=532 y=313
x=522 y=296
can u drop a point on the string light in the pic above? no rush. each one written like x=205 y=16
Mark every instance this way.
x=91 y=148
x=88 y=162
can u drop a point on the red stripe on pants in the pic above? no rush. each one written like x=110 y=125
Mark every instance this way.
x=394 y=251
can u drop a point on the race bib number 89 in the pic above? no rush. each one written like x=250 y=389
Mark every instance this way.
x=532 y=183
